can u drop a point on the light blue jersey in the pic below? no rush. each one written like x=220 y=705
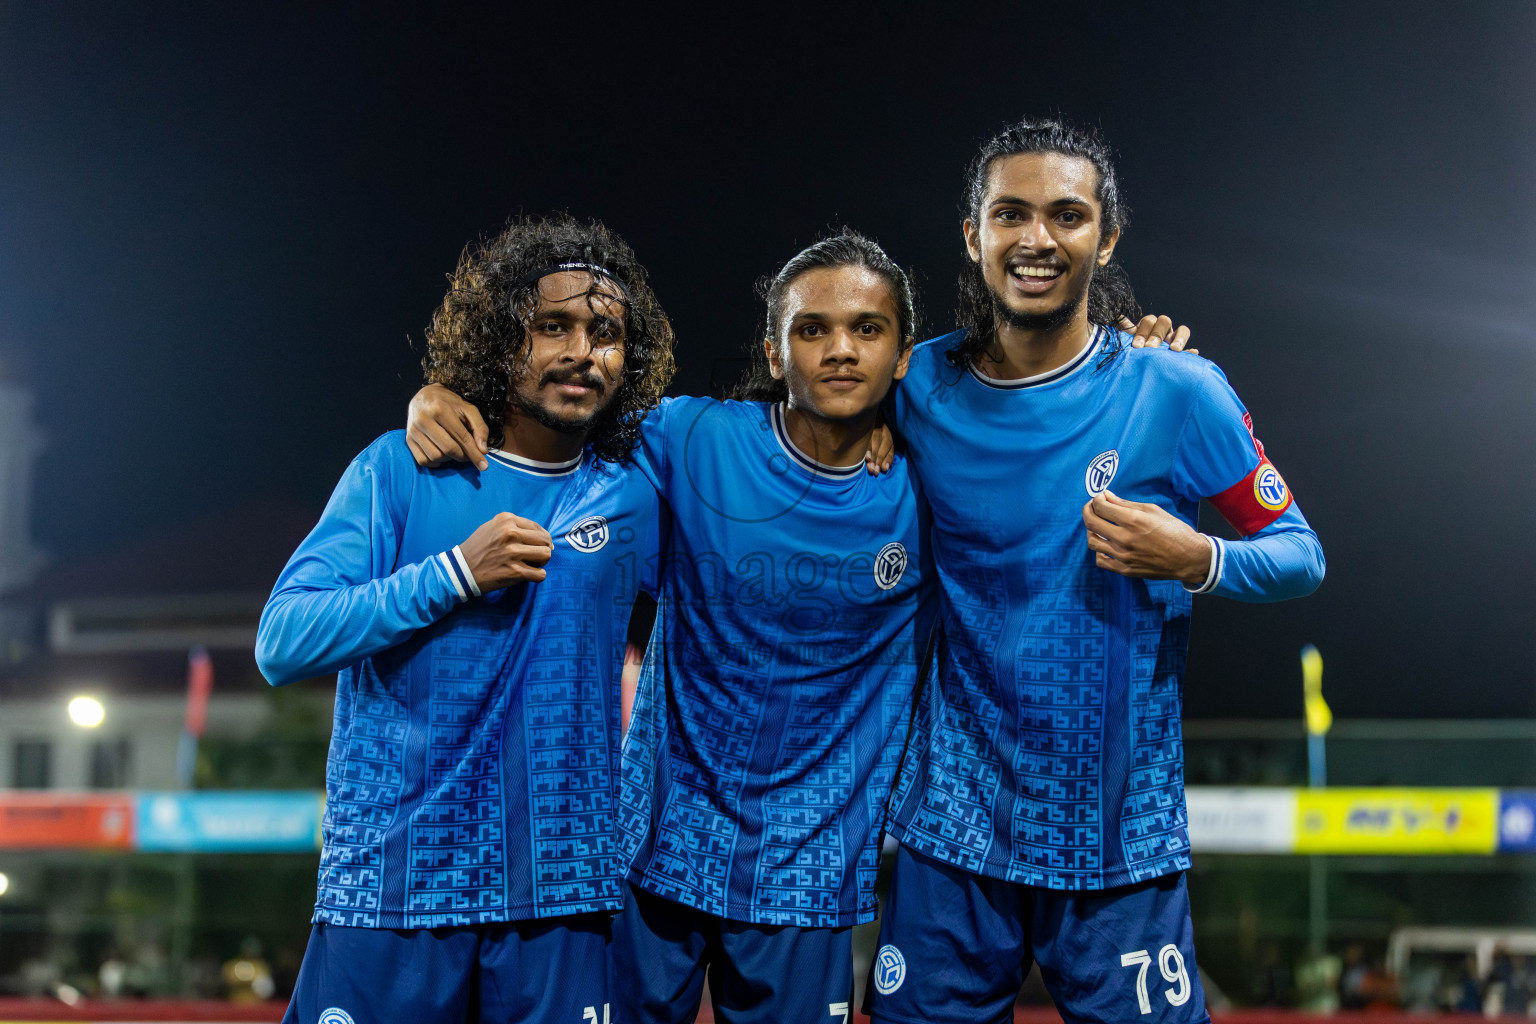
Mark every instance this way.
x=1048 y=751
x=777 y=687
x=471 y=771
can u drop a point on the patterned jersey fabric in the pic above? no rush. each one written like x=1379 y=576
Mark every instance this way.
x=471 y=772
x=1048 y=749
x=776 y=693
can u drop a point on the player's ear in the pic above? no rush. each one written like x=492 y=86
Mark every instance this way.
x=1107 y=246
x=972 y=240
x=904 y=359
x=775 y=364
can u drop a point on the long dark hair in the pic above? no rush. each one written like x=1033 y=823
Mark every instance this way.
x=1109 y=292
x=477 y=344
x=847 y=248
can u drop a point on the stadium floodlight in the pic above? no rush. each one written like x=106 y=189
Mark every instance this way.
x=87 y=712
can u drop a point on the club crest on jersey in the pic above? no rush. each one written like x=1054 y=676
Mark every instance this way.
x=589 y=535
x=335 y=1015
x=1269 y=489
x=1101 y=471
x=890 y=970
x=890 y=564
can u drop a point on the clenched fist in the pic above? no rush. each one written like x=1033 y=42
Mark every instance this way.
x=505 y=550
x=1137 y=538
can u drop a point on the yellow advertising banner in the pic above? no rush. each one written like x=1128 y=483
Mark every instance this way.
x=1397 y=820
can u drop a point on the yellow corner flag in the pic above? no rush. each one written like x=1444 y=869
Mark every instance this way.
x=1319 y=718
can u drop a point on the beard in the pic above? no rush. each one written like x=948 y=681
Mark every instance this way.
x=1050 y=320
x=536 y=412
x=539 y=413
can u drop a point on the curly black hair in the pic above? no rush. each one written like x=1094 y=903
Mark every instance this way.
x=1110 y=295
x=477 y=344
x=846 y=248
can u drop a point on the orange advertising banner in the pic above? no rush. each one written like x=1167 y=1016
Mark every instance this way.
x=65 y=821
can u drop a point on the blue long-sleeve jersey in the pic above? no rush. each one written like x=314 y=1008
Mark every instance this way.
x=1048 y=748
x=776 y=693
x=471 y=775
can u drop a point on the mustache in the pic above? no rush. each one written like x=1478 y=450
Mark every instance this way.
x=583 y=377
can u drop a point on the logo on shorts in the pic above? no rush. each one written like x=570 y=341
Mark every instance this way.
x=588 y=535
x=890 y=970
x=335 y=1015
x=1101 y=471
x=1269 y=490
x=890 y=563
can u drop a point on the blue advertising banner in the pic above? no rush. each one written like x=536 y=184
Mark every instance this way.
x=233 y=822
x=1517 y=821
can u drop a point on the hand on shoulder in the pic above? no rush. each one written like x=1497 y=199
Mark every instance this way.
x=1152 y=331
x=442 y=428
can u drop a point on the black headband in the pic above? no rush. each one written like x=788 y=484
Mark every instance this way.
x=556 y=268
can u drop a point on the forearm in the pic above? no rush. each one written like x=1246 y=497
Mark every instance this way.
x=1282 y=561
x=314 y=624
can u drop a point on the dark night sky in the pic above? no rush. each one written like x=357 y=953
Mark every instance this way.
x=218 y=230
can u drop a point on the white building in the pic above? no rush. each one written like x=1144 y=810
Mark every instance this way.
x=117 y=626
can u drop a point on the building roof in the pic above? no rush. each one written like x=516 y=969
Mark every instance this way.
x=225 y=564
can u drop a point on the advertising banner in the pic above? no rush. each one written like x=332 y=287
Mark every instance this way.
x=65 y=821
x=1222 y=820
x=1241 y=820
x=1396 y=821
x=233 y=822
x=1517 y=821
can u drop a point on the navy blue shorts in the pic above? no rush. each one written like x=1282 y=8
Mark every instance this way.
x=758 y=974
x=955 y=947
x=535 y=971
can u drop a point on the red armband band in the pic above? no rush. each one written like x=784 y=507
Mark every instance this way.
x=1255 y=501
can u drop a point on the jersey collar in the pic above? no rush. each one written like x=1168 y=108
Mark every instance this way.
x=1074 y=364
x=531 y=466
x=810 y=465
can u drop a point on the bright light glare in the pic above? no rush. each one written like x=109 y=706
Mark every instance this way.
x=5 y=883
x=87 y=712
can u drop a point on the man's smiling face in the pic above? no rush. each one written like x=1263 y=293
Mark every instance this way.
x=575 y=351
x=1038 y=237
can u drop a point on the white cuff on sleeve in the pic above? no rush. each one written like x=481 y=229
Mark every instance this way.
x=1213 y=574
x=456 y=567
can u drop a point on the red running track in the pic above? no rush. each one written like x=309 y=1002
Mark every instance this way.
x=1048 y=1015
x=140 y=1010
x=34 y=1010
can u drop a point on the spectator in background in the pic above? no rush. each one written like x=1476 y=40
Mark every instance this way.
x=1351 y=982
x=1365 y=984
x=1465 y=992
x=1521 y=996
x=1272 y=981
x=248 y=977
x=1510 y=987
x=1421 y=986
x=112 y=974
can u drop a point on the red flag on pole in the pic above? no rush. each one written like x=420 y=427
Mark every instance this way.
x=199 y=686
